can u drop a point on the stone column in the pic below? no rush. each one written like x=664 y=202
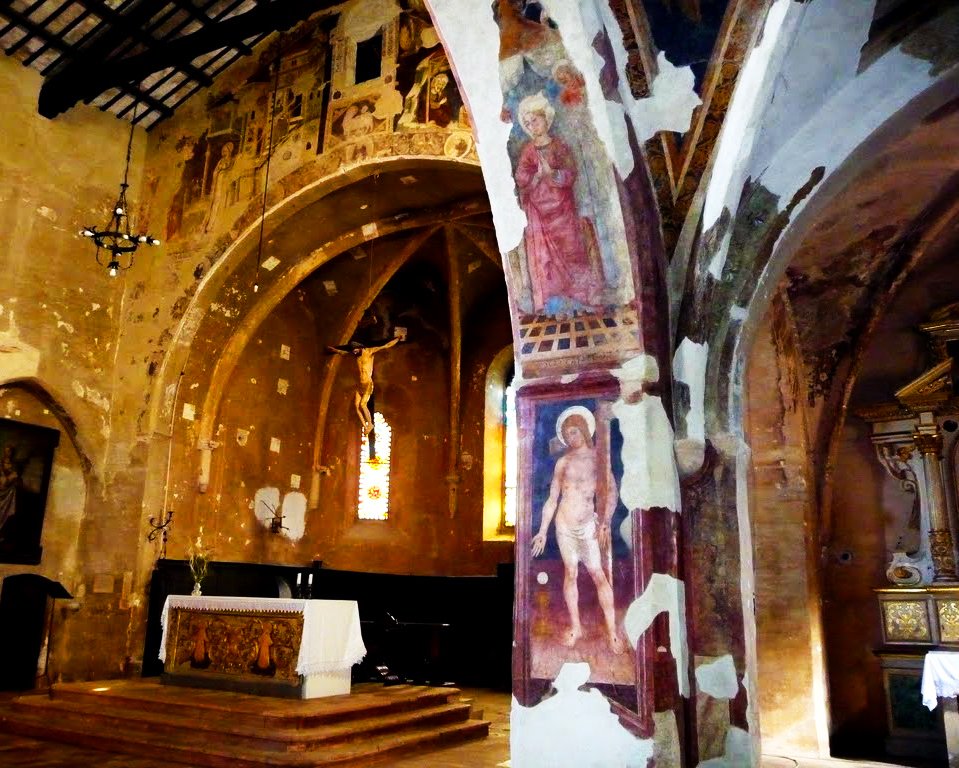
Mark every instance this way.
x=940 y=536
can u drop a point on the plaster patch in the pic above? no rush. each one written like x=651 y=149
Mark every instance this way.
x=242 y=436
x=662 y=593
x=270 y=264
x=275 y=444
x=573 y=729
x=330 y=287
x=472 y=41
x=284 y=352
x=294 y=515
x=739 y=313
x=295 y=482
x=650 y=477
x=717 y=677
x=282 y=386
x=18 y=359
x=689 y=367
x=265 y=503
x=47 y=213
x=738 y=751
x=91 y=395
x=568 y=378
x=189 y=411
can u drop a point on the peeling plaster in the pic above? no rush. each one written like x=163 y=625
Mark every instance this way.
x=470 y=34
x=265 y=501
x=650 y=477
x=662 y=593
x=738 y=751
x=689 y=368
x=19 y=360
x=739 y=128
x=91 y=395
x=573 y=729
x=294 y=515
x=717 y=677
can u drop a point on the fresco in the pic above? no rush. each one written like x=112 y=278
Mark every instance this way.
x=324 y=117
x=572 y=275
x=579 y=570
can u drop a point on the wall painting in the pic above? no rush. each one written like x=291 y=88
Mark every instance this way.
x=575 y=576
x=572 y=275
x=26 y=461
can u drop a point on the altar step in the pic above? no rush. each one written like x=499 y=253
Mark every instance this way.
x=216 y=728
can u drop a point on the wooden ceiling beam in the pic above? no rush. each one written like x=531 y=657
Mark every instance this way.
x=94 y=72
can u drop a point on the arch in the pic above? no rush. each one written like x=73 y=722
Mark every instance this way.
x=493 y=446
x=51 y=400
x=773 y=240
x=243 y=246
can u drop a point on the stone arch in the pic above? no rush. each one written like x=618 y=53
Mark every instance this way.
x=52 y=400
x=282 y=204
x=780 y=241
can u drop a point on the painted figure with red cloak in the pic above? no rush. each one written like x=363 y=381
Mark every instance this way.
x=565 y=268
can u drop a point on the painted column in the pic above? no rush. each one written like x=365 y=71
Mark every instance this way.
x=929 y=442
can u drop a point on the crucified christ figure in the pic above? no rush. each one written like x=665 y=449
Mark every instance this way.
x=364 y=363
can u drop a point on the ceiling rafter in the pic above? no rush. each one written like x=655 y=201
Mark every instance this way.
x=98 y=69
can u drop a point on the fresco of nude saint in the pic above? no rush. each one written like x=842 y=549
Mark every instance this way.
x=579 y=565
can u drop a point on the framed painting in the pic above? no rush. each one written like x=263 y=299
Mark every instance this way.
x=26 y=460
x=575 y=566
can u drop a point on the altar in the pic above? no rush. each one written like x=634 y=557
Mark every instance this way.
x=271 y=646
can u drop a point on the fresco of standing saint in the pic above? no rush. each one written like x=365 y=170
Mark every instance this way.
x=565 y=269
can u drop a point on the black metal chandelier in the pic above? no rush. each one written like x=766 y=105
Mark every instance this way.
x=116 y=243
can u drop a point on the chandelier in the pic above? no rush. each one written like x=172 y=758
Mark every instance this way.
x=116 y=243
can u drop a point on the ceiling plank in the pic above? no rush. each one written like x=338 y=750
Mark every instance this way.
x=94 y=71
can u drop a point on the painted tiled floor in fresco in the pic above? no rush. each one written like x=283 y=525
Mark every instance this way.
x=493 y=752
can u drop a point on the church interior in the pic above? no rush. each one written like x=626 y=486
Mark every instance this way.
x=596 y=359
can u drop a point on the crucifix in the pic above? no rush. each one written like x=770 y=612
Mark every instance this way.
x=364 y=364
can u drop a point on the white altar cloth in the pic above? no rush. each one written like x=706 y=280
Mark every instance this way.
x=331 y=640
x=940 y=677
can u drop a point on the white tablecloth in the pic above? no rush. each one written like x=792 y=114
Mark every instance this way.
x=940 y=676
x=331 y=628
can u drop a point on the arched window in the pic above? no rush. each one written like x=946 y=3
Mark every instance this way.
x=374 y=495
x=510 y=457
x=500 y=452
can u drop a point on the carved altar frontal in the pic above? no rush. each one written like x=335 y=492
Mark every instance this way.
x=266 y=646
x=235 y=643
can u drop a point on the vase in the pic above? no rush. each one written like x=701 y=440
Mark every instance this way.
x=196 y=589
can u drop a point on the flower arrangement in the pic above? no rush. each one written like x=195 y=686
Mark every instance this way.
x=199 y=561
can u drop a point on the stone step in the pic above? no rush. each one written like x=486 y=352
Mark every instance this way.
x=148 y=696
x=81 y=713
x=198 y=749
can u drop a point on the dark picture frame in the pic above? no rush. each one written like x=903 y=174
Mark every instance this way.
x=26 y=462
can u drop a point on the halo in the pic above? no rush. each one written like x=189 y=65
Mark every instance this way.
x=577 y=409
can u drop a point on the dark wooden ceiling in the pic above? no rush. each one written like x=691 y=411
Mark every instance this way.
x=138 y=59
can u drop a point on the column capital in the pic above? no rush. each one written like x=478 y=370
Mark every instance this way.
x=929 y=442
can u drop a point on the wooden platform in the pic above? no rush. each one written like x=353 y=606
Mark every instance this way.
x=216 y=728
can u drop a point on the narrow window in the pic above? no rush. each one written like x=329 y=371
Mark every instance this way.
x=369 y=59
x=374 y=496
x=510 y=451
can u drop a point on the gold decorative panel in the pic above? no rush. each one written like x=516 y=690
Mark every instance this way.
x=906 y=620
x=948 y=611
x=234 y=642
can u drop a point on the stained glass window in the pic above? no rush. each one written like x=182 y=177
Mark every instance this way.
x=374 y=498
